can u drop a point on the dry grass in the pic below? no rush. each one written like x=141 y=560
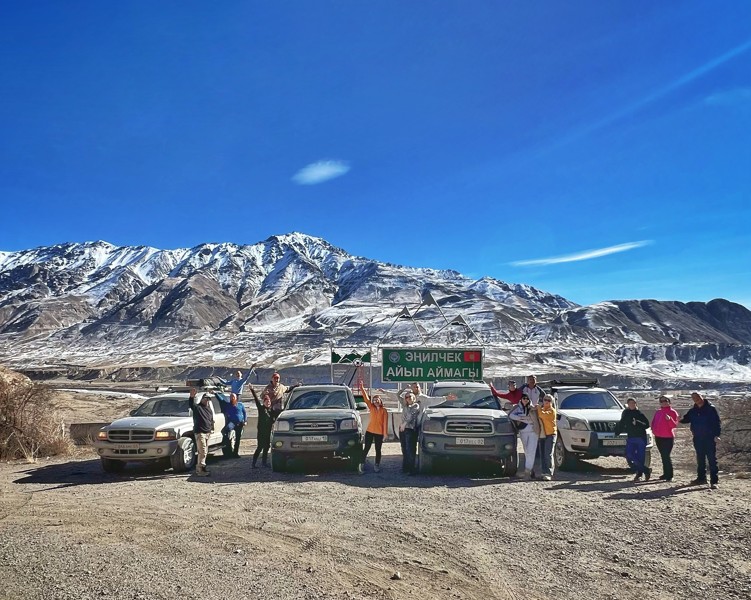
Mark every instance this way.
x=29 y=425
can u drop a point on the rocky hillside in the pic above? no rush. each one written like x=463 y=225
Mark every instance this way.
x=287 y=299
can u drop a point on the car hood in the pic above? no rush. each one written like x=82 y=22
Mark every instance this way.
x=150 y=422
x=593 y=414
x=470 y=413
x=318 y=414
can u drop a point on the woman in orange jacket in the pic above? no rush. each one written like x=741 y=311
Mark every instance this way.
x=377 y=428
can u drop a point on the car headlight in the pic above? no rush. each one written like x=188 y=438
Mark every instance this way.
x=347 y=425
x=101 y=435
x=281 y=425
x=578 y=424
x=432 y=425
x=167 y=434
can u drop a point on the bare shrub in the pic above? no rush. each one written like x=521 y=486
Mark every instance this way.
x=735 y=446
x=29 y=426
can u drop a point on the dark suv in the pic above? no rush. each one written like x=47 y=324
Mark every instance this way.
x=318 y=421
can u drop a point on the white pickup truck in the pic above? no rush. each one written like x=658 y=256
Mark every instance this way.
x=160 y=430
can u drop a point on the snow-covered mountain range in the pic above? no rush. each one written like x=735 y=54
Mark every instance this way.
x=286 y=300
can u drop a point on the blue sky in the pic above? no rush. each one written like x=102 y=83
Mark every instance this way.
x=598 y=150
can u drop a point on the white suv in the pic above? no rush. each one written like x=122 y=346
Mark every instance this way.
x=587 y=416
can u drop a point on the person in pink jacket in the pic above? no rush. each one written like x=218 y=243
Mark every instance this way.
x=663 y=428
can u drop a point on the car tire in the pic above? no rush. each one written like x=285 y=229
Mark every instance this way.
x=185 y=457
x=278 y=462
x=112 y=466
x=425 y=462
x=510 y=465
x=229 y=443
x=564 y=460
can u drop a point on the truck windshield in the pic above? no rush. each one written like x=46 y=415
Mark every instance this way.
x=465 y=394
x=591 y=400
x=488 y=402
x=319 y=399
x=164 y=407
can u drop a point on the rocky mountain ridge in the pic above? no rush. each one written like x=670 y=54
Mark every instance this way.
x=287 y=299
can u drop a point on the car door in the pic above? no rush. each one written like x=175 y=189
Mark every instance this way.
x=219 y=421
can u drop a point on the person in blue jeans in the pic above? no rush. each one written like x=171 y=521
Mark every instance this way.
x=706 y=428
x=236 y=417
x=408 y=431
x=635 y=424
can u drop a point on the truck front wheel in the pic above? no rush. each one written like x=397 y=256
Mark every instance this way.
x=185 y=456
x=564 y=460
x=510 y=465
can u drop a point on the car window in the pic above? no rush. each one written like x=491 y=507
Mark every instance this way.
x=319 y=399
x=591 y=400
x=488 y=402
x=465 y=394
x=163 y=407
x=217 y=406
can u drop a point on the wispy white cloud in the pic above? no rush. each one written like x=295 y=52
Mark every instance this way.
x=586 y=255
x=740 y=95
x=320 y=171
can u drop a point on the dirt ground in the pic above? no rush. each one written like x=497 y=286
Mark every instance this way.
x=69 y=531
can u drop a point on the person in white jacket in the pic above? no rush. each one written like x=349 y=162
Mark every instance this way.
x=528 y=425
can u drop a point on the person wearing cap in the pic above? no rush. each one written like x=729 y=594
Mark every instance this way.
x=408 y=431
x=514 y=393
x=549 y=429
x=706 y=428
x=377 y=428
x=635 y=424
x=527 y=423
x=203 y=426
x=663 y=428
x=275 y=391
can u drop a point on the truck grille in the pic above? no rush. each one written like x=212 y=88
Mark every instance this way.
x=463 y=427
x=603 y=426
x=315 y=426
x=130 y=435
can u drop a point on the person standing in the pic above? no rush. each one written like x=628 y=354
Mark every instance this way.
x=533 y=391
x=663 y=428
x=265 y=422
x=377 y=428
x=635 y=424
x=528 y=426
x=237 y=418
x=706 y=428
x=408 y=431
x=275 y=391
x=548 y=428
x=514 y=393
x=203 y=427
x=237 y=384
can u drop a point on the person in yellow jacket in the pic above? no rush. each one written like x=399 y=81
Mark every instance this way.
x=548 y=427
x=377 y=428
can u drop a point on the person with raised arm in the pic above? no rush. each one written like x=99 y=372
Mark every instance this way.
x=408 y=431
x=275 y=391
x=203 y=427
x=513 y=395
x=377 y=428
x=265 y=423
x=237 y=384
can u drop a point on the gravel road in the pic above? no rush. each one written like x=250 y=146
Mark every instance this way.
x=67 y=531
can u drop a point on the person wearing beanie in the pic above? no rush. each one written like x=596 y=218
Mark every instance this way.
x=635 y=424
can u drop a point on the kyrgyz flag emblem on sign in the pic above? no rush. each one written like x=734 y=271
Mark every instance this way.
x=473 y=357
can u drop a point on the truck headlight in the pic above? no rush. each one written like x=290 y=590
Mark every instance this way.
x=432 y=425
x=347 y=425
x=578 y=424
x=281 y=425
x=167 y=434
x=101 y=435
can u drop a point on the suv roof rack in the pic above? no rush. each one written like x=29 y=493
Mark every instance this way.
x=571 y=381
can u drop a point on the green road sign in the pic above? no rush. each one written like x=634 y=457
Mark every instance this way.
x=431 y=364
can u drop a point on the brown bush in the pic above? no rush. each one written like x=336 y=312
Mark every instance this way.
x=29 y=426
x=735 y=447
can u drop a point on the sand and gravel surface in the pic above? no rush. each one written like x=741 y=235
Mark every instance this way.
x=68 y=531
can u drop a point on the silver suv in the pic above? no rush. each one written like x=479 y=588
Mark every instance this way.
x=587 y=416
x=467 y=422
x=160 y=430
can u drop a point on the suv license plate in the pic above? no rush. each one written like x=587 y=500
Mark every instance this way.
x=126 y=446
x=615 y=442
x=470 y=441
x=315 y=438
